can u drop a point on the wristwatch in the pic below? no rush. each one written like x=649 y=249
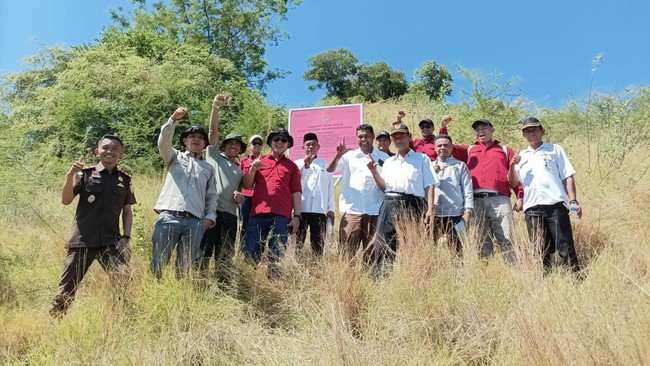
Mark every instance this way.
x=297 y=216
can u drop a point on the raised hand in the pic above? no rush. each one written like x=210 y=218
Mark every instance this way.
x=515 y=159
x=179 y=113
x=446 y=120
x=77 y=166
x=341 y=148
x=220 y=100
x=257 y=165
x=372 y=165
x=308 y=160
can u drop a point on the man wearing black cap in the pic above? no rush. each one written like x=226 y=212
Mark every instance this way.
x=220 y=239
x=426 y=144
x=277 y=191
x=383 y=142
x=407 y=180
x=187 y=203
x=548 y=181
x=488 y=163
x=317 y=195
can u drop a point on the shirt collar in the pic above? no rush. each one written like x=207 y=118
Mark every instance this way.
x=193 y=155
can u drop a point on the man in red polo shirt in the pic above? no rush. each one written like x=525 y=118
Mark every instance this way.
x=426 y=144
x=255 y=144
x=489 y=163
x=277 y=190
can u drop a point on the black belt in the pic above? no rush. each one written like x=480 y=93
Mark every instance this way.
x=486 y=194
x=180 y=213
x=398 y=196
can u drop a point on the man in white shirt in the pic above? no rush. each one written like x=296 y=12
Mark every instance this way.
x=547 y=178
x=360 y=198
x=187 y=203
x=317 y=195
x=454 y=197
x=408 y=181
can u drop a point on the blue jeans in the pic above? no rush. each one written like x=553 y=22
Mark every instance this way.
x=183 y=232
x=493 y=216
x=262 y=227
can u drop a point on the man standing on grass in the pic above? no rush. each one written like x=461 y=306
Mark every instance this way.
x=104 y=193
x=255 y=144
x=407 y=180
x=488 y=162
x=277 y=191
x=220 y=239
x=187 y=203
x=548 y=181
x=360 y=198
x=454 y=197
x=317 y=196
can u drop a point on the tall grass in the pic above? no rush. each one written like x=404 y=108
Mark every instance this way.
x=433 y=308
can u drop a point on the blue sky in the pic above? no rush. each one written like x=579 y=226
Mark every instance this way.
x=549 y=45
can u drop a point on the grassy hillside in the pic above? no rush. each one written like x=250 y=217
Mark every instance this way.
x=433 y=309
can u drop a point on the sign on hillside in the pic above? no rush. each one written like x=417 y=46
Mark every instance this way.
x=330 y=124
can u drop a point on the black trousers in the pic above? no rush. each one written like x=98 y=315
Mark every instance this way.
x=316 y=223
x=385 y=240
x=444 y=225
x=76 y=264
x=549 y=229
x=219 y=241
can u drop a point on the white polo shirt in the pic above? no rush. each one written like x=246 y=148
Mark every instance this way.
x=359 y=192
x=317 y=187
x=410 y=175
x=542 y=172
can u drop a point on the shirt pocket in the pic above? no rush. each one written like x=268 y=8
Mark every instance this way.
x=94 y=186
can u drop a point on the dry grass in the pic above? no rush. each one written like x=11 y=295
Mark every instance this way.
x=434 y=308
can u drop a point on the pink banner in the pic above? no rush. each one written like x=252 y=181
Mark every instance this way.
x=330 y=124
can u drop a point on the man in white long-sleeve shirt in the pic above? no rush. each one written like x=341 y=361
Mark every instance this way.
x=187 y=203
x=317 y=195
x=454 y=197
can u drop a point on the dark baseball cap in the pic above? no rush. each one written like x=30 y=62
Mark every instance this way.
x=426 y=121
x=383 y=133
x=530 y=122
x=481 y=122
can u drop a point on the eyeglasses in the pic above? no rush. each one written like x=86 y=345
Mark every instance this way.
x=256 y=143
x=283 y=140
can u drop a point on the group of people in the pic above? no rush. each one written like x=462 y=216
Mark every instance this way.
x=206 y=201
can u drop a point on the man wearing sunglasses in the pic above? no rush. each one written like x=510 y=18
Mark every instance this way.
x=255 y=144
x=277 y=190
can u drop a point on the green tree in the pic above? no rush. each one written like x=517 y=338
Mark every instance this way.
x=237 y=30
x=379 y=82
x=335 y=71
x=433 y=80
x=128 y=83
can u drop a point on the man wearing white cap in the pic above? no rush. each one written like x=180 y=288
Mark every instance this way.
x=255 y=144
